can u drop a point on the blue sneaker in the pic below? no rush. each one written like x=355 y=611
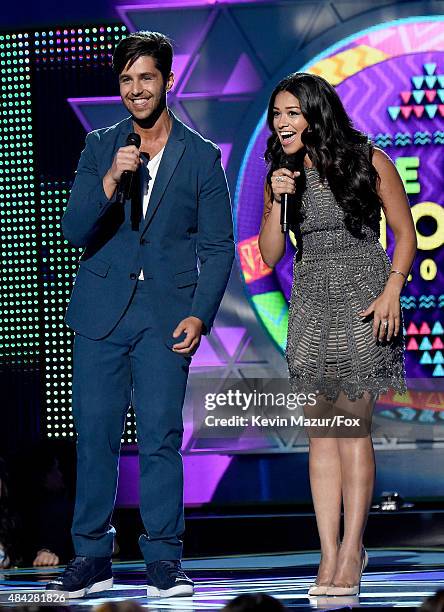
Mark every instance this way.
x=167 y=579
x=83 y=576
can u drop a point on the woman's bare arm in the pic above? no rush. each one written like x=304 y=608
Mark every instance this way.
x=271 y=238
x=399 y=217
x=386 y=309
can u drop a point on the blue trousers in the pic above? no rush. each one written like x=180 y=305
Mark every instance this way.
x=131 y=365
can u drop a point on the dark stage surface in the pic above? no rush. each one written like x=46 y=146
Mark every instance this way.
x=395 y=577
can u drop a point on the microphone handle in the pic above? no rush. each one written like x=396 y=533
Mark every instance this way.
x=123 y=190
x=284 y=213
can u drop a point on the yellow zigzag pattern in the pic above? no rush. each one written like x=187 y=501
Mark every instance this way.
x=342 y=65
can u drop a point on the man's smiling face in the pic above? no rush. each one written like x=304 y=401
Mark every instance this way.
x=142 y=87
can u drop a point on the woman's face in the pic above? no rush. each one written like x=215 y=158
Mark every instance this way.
x=288 y=122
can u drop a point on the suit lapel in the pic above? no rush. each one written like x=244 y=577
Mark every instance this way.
x=174 y=150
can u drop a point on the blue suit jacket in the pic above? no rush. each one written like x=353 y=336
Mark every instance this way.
x=188 y=219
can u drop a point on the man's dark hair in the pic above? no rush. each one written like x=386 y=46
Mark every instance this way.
x=156 y=45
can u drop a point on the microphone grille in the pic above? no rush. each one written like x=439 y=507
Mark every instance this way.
x=133 y=139
x=288 y=161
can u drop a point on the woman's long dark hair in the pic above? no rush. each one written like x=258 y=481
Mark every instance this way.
x=340 y=153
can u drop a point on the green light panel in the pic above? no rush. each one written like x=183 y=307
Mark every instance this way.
x=19 y=326
x=59 y=266
x=80 y=47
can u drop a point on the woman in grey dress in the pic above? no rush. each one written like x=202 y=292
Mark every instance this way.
x=345 y=330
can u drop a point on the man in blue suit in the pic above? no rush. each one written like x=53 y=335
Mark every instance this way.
x=138 y=308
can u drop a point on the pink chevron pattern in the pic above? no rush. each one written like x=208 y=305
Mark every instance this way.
x=406 y=38
x=367 y=94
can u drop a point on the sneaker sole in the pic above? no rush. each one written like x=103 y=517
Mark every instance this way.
x=94 y=588
x=181 y=590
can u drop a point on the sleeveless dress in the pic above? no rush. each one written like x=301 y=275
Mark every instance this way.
x=330 y=348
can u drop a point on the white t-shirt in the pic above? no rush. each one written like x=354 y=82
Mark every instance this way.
x=151 y=171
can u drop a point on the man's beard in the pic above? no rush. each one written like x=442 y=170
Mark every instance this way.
x=149 y=121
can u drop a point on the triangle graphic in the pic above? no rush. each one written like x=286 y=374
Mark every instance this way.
x=430 y=94
x=438 y=358
x=430 y=81
x=185 y=27
x=438 y=371
x=249 y=355
x=244 y=77
x=438 y=344
x=206 y=356
x=425 y=345
x=417 y=81
x=230 y=113
x=406 y=111
x=412 y=329
x=179 y=64
x=225 y=148
x=286 y=24
x=431 y=110
x=424 y=330
x=95 y=112
x=437 y=328
x=425 y=359
x=273 y=310
x=393 y=111
x=405 y=96
x=430 y=68
x=419 y=111
x=412 y=345
x=209 y=77
x=230 y=338
x=418 y=95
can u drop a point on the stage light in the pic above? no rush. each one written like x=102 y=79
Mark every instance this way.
x=20 y=321
x=391 y=501
x=60 y=260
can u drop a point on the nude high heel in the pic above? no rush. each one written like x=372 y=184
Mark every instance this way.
x=349 y=589
x=317 y=589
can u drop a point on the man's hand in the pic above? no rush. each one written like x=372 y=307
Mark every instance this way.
x=45 y=558
x=126 y=158
x=192 y=326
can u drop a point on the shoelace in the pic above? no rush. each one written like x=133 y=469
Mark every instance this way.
x=174 y=570
x=74 y=567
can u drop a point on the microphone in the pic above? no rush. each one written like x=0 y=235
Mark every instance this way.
x=124 y=188
x=287 y=199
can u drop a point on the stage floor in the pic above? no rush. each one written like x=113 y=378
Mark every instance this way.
x=394 y=577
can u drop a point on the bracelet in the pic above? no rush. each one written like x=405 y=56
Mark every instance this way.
x=398 y=272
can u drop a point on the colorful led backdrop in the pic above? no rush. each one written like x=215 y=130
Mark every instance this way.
x=57 y=83
x=391 y=81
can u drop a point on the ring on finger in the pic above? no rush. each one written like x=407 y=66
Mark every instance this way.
x=280 y=178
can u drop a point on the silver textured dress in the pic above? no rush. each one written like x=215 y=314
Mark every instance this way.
x=330 y=348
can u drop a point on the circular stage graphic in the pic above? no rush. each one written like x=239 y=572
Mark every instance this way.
x=391 y=81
